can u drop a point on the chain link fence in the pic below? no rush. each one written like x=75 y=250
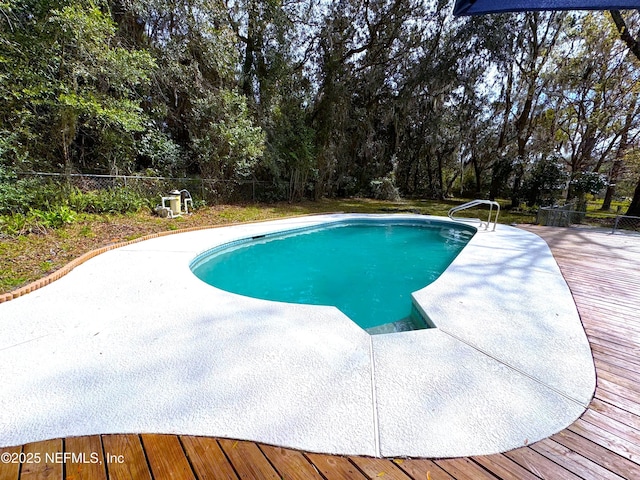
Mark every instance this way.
x=210 y=190
x=623 y=222
x=566 y=216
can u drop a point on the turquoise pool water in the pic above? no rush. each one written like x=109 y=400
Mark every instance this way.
x=367 y=269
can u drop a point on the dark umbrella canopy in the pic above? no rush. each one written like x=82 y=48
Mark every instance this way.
x=478 y=7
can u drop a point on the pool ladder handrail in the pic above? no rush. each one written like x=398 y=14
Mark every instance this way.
x=475 y=203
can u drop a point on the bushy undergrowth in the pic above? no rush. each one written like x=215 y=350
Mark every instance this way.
x=19 y=196
x=113 y=200
x=29 y=206
x=37 y=221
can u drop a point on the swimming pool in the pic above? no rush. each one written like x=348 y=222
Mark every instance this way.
x=366 y=268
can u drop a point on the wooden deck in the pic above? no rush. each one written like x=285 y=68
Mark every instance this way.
x=603 y=272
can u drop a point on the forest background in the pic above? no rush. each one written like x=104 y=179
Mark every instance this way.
x=317 y=98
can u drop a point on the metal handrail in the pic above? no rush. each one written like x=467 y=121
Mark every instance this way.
x=475 y=203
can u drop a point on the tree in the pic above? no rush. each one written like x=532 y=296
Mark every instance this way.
x=634 y=47
x=532 y=41
x=197 y=103
x=594 y=95
x=545 y=182
x=225 y=142
x=275 y=41
x=627 y=139
x=70 y=84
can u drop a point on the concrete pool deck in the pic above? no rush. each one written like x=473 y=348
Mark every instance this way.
x=132 y=342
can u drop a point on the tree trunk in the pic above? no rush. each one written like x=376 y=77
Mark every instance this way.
x=517 y=184
x=634 y=208
x=440 y=178
x=478 y=174
x=611 y=188
x=500 y=172
x=623 y=146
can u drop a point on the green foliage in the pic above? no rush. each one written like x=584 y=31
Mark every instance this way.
x=544 y=183
x=15 y=224
x=226 y=143
x=11 y=152
x=385 y=188
x=113 y=200
x=164 y=155
x=197 y=204
x=589 y=182
x=290 y=155
x=53 y=218
x=29 y=205
x=68 y=82
x=37 y=221
x=311 y=98
x=22 y=195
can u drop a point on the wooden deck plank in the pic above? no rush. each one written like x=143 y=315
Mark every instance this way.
x=600 y=454
x=604 y=309
x=614 y=348
x=622 y=402
x=129 y=460
x=422 y=469
x=617 y=352
x=207 y=458
x=503 y=467
x=604 y=331
x=621 y=386
x=378 y=467
x=87 y=459
x=614 y=366
x=619 y=333
x=465 y=469
x=540 y=465
x=166 y=457
x=10 y=464
x=614 y=325
x=574 y=462
x=50 y=463
x=248 y=460
x=624 y=304
x=607 y=439
x=629 y=419
x=290 y=464
x=335 y=467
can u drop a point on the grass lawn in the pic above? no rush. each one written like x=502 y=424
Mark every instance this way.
x=26 y=258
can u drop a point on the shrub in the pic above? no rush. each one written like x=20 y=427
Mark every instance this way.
x=544 y=184
x=27 y=206
x=19 y=195
x=15 y=224
x=36 y=221
x=113 y=200
x=385 y=188
x=54 y=218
